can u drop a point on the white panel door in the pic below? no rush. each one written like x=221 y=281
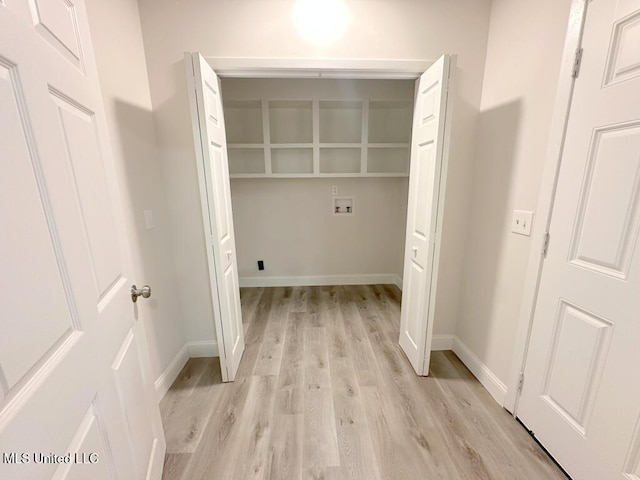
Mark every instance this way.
x=581 y=392
x=427 y=177
x=73 y=373
x=215 y=195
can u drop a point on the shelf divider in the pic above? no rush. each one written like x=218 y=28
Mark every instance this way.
x=266 y=133
x=365 y=137
x=316 y=136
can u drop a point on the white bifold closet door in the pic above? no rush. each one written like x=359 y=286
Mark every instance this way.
x=427 y=178
x=215 y=197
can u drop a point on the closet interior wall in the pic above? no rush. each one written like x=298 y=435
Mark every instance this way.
x=349 y=134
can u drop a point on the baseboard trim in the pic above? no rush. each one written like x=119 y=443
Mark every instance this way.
x=441 y=342
x=209 y=348
x=170 y=373
x=486 y=377
x=321 y=280
x=206 y=348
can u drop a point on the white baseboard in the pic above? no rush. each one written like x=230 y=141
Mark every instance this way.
x=206 y=348
x=209 y=348
x=170 y=373
x=320 y=280
x=486 y=377
x=441 y=342
x=189 y=350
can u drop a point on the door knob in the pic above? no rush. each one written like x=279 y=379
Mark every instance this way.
x=144 y=292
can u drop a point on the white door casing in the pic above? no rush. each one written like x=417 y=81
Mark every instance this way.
x=215 y=197
x=427 y=178
x=581 y=394
x=74 y=374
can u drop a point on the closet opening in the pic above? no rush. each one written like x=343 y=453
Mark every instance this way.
x=319 y=176
x=315 y=188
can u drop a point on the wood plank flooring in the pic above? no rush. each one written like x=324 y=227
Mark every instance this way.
x=325 y=393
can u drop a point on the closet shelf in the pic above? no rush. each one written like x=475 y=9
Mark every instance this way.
x=245 y=145
x=318 y=138
x=340 y=145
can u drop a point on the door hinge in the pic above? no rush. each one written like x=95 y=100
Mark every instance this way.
x=545 y=244
x=576 y=63
x=520 y=381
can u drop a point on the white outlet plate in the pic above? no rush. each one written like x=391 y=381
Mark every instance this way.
x=334 y=190
x=521 y=222
x=148 y=219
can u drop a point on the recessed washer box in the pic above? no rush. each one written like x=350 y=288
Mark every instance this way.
x=342 y=205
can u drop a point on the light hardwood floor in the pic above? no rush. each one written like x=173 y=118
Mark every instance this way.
x=324 y=392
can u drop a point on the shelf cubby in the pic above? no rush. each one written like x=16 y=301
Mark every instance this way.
x=388 y=160
x=389 y=121
x=290 y=121
x=340 y=160
x=340 y=121
x=244 y=161
x=291 y=161
x=243 y=121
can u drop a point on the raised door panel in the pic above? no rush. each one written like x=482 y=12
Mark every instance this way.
x=32 y=330
x=211 y=101
x=631 y=469
x=608 y=216
x=87 y=169
x=425 y=173
x=231 y=287
x=129 y=381
x=57 y=22
x=624 y=53
x=577 y=355
x=89 y=452
x=220 y=205
x=415 y=299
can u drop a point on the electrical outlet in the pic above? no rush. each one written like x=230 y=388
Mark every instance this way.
x=260 y=265
x=334 y=190
x=521 y=222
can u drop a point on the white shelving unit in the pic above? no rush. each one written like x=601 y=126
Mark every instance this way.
x=318 y=138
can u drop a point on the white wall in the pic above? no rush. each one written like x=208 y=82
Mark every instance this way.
x=288 y=223
x=523 y=60
x=117 y=39
x=402 y=29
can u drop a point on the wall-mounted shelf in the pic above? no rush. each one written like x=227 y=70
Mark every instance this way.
x=318 y=138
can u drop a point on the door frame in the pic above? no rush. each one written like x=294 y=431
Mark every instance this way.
x=342 y=68
x=227 y=67
x=546 y=197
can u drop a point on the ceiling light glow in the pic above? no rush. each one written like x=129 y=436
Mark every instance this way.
x=321 y=22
